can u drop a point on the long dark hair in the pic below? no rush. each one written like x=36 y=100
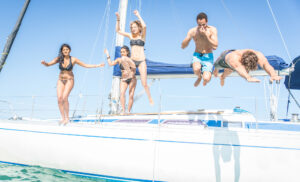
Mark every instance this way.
x=127 y=49
x=60 y=54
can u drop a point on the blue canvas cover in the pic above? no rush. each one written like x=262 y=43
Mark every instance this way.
x=292 y=81
x=277 y=62
x=154 y=67
x=157 y=67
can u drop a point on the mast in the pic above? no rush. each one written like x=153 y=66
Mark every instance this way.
x=12 y=36
x=115 y=87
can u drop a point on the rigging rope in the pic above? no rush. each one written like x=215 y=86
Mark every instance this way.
x=156 y=146
x=294 y=99
x=265 y=93
x=104 y=17
x=105 y=81
x=290 y=92
x=140 y=6
x=232 y=19
x=288 y=53
x=130 y=12
x=141 y=93
x=277 y=26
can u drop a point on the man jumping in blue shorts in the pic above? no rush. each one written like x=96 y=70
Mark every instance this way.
x=206 y=40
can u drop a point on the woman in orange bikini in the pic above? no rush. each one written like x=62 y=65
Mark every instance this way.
x=65 y=82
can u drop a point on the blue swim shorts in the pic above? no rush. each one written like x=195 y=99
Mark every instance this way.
x=206 y=61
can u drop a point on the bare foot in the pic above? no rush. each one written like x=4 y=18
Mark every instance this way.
x=216 y=71
x=67 y=121
x=61 y=122
x=197 y=82
x=204 y=83
x=222 y=81
x=151 y=102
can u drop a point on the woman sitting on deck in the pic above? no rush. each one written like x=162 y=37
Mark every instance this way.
x=128 y=70
x=66 y=78
x=242 y=61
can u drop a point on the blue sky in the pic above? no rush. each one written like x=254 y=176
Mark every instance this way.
x=48 y=24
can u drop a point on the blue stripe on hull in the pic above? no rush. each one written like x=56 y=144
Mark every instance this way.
x=156 y=121
x=273 y=126
x=141 y=139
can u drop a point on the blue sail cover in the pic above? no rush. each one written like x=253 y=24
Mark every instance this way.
x=157 y=67
x=166 y=68
x=292 y=81
x=277 y=62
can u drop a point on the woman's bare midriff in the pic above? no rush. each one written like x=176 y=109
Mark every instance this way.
x=66 y=75
x=137 y=53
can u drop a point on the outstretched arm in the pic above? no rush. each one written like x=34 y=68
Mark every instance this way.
x=80 y=63
x=110 y=63
x=54 y=61
x=137 y=14
x=239 y=68
x=132 y=66
x=264 y=63
x=187 y=39
x=118 y=30
x=243 y=73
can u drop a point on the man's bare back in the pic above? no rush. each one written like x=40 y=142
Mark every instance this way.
x=233 y=58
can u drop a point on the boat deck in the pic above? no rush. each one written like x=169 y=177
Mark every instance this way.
x=177 y=119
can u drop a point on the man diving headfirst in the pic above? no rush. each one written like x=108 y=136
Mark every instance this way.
x=242 y=61
x=206 y=40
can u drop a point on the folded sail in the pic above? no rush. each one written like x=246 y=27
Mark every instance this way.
x=167 y=70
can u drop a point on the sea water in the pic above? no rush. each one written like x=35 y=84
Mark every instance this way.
x=17 y=173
